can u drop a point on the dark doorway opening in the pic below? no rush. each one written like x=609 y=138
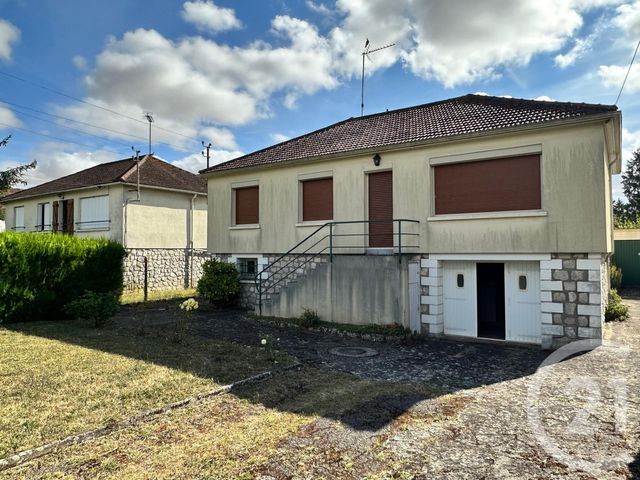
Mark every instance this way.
x=490 y=284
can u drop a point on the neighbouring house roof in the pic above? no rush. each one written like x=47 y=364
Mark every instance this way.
x=153 y=172
x=464 y=115
x=11 y=191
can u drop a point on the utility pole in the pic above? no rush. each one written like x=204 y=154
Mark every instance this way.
x=149 y=117
x=365 y=53
x=208 y=147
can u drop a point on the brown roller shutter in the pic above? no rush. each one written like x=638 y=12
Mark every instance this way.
x=317 y=199
x=503 y=184
x=54 y=217
x=247 y=206
x=381 y=208
x=68 y=205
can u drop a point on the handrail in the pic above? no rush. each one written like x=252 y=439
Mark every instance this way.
x=259 y=276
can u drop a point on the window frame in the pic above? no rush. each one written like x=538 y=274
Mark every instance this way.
x=313 y=178
x=93 y=225
x=234 y=200
x=41 y=217
x=22 y=227
x=246 y=276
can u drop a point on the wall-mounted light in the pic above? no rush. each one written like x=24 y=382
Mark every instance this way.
x=376 y=159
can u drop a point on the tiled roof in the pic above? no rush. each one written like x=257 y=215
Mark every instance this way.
x=153 y=172
x=457 y=116
x=11 y=191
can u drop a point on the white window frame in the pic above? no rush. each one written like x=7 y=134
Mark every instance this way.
x=92 y=220
x=17 y=227
x=247 y=276
x=43 y=217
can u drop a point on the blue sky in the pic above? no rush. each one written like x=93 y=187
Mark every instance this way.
x=244 y=75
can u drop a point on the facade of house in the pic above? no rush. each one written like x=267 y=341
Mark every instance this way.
x=156 y=210
x=474 y=217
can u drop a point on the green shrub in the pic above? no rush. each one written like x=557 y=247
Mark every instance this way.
x=616 y=310
x=615 y=276
x=309 y=318
x=97 y=307
x=41 y=273
x=220 y=283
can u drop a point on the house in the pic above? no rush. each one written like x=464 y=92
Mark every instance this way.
x=2 y=210
x=475 y=216
x=156 y=210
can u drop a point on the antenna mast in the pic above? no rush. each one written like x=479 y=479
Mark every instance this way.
x=207 y=154
x=149 y=117
x=365 y=53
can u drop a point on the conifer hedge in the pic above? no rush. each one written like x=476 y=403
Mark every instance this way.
x=41 y=273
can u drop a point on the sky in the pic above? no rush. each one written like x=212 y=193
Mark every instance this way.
x=78 y=76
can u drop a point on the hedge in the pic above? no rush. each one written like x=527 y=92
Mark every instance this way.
x=41 y=273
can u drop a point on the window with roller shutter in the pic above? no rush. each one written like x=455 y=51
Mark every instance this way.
x=247 y=206
x=317 y=199
x=498 y=185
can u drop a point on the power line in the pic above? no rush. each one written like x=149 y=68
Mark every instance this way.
x=130 y=135
x=71 y=97
x=6 y=125
x=628 y=70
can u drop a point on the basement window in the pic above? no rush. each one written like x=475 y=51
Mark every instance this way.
x=247 y=267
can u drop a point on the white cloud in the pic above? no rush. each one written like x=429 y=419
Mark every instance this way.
x=319 y=8
x=219 y=137
x=628 y=19
x=9 y=34
x=79 y=62
x=207 y=16
x=56 y=160
x=612 y=76
x=545 y=98
x=196 y=162
x=580 y=48
x=8 y=118
x=279 y=137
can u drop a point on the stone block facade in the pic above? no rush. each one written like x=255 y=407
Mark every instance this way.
x=574 y=288
x=431 y=296
x=167 y=268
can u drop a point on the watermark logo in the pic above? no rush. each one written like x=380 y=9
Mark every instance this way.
x=589 y=398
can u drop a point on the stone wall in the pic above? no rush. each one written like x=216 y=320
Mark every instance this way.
x=572 y=291
x=431 y=299
x=168 y=268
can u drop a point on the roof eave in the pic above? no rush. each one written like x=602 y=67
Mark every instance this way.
x=57 y=192
x=595 y=118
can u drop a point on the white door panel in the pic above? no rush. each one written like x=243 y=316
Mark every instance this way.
x=522 y=305
x=460 y=317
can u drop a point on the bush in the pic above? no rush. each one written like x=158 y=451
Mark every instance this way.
x=615 y=277
x=97 y=307
x=220 y=283
x=40 y=274
x=309 y=318
x=616 y=311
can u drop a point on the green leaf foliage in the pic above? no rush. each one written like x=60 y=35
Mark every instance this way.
x=97 y=307
x=220 y=283
x=41 y=273
x=615 y=277
x=616 y=311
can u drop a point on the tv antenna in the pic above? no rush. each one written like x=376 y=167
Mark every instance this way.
x=149 y=117
x=365 y=53
x=207 y=155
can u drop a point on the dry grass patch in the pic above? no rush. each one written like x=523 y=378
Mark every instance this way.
x=300 y=424
x=62 y=378
x=138 y=295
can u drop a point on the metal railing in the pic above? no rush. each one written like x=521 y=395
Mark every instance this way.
x=327 y=239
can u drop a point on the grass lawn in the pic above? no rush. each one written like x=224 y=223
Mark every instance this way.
x=309 y=424
x=61 y=378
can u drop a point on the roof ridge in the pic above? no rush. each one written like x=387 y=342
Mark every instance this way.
x=612 y=107
x=123 y=177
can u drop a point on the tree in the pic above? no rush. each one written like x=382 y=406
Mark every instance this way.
x=631 y=186
x=13 y=176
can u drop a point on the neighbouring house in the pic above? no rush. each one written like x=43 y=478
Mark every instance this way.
x=156 y=210
x=476 y=216
x=2 y=210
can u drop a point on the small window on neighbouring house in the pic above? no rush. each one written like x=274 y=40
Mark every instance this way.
x=43 y=217
x=247 y=206
x=522 y=282
x=460 y=280
x=94 y=213
x=18 y=218
x=317 y=199
x=248 y=268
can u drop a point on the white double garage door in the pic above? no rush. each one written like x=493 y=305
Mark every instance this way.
x=492 y=299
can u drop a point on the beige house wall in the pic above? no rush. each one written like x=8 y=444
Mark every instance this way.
x=113 y=232
x=162 y=219
x=576 y=198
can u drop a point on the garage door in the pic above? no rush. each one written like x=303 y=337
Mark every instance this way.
x=459 y=298
x=522 y=293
